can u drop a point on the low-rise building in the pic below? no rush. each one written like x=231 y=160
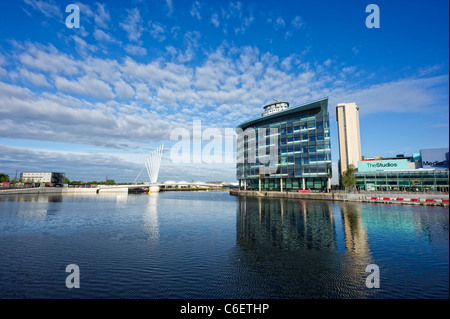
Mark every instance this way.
x=427 y=172
x=53 y=178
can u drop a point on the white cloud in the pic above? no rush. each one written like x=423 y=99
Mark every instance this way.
x=101 y=35
x=279 y=23
x=143 y=93
x=191 y=43
x=215 y=20
x=426 y=71
x=47 y=8
x=297 y=22
x=157 y=31
x=349 y=69
x=49 y=117
x=82 y=47
x=48 y=59
x=236 y=15
x=399 y=96
x=195 y=10
x=88 y=85
x=70 y=162
x=123 y=90
x=102 y=17
x=2 y=59
x=169 y=4
x=135 y=50
x=133 y=25
x=35 y=78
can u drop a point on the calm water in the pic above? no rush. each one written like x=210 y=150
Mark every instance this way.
x=213 y=245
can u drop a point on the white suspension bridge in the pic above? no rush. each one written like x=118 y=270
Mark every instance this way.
x=152 y=166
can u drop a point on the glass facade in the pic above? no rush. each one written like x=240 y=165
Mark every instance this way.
x=300 y=138
x=408 y=180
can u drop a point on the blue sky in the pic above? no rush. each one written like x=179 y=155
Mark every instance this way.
x=95 y=101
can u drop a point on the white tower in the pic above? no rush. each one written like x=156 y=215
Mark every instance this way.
x=347 y=116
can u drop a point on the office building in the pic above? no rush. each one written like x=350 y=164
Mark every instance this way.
x=347 y=116
x=51 y=178
x=286 y=149
x=427 y=172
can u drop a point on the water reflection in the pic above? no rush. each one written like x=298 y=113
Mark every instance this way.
x=285 y=224
x=36 y=198
x=299 y=238
x=151 y=223
x=355 y=232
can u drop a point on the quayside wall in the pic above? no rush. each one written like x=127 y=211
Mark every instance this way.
x=387 y=198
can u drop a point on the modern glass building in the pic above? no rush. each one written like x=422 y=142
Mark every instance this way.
x=403 y=180
x=425 y=171
x=286 y=149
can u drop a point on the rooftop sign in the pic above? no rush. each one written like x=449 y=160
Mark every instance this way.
x=382 y=165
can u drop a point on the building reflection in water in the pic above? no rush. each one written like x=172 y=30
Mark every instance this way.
x=41 y=205
x=355 y=232
x=285 y=224
x=294 y=244
x=151 y=223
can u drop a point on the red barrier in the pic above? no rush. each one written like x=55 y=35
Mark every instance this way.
x=386 y=198
x=303 y=191
x=429 y=200
x=445 y=200
x=374 y=198
x=399 y=199
x=414 y=199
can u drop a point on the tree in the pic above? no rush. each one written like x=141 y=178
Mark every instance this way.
x=4 y=178
x=348 y=178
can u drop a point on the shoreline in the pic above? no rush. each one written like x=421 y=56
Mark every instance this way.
x=380 y=198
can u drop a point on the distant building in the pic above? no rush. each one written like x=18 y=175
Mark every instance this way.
x=429 y=171
x=347 y=116
x=56 y=179
x=436 y=158
x=287 y=148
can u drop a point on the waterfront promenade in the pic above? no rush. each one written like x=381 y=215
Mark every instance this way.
x=65 y=190
x=373 y=197
x=404 y=198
